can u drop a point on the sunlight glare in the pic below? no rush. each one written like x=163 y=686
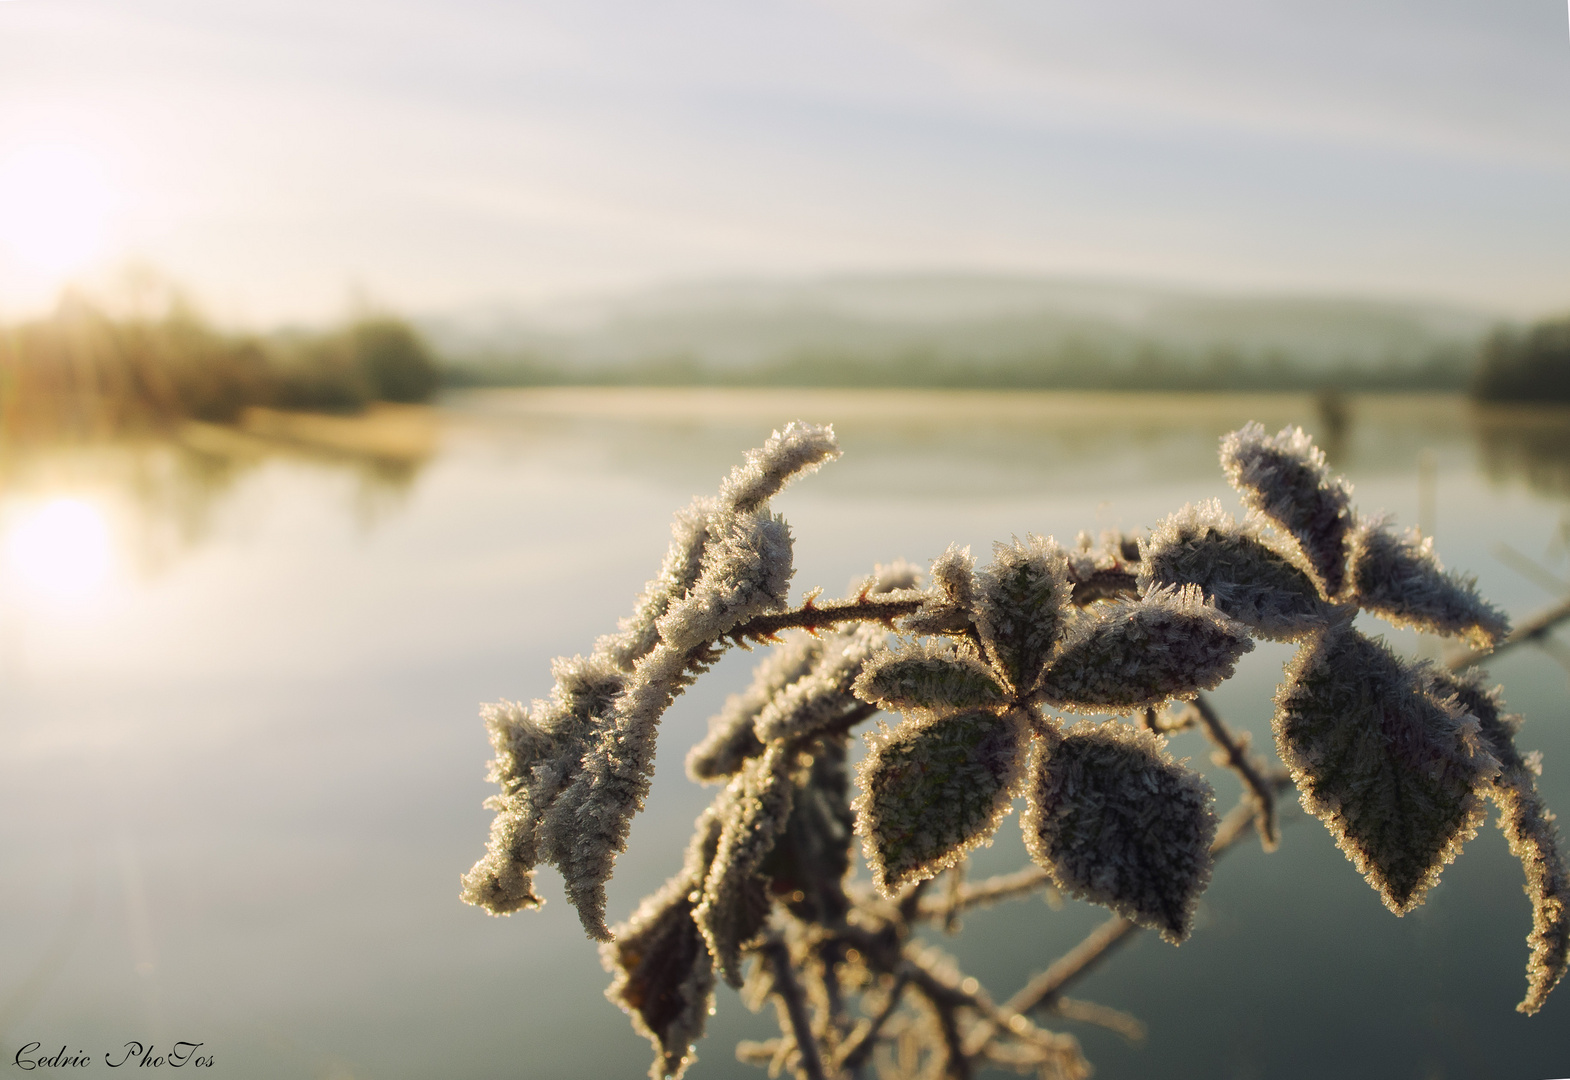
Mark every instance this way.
x=61 y=550
x=55 y=203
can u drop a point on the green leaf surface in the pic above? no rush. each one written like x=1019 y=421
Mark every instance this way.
x=1137 y=654
x=933 y=789
x=1392 y=771
x=1117 y=822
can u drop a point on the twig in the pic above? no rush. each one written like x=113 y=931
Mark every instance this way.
x=1237 y=760
x=992 y=890
x=955 y=893
x=1088 y=1012
x=776 y=954
x=854 y=1055
x=814 y=616
x=1041 y=990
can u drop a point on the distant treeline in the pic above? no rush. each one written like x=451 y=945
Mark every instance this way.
x=82 y=371
x=1530 y=365
x=1069 y=368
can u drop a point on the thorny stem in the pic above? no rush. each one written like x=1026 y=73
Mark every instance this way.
x=776 y=954
x=813 y=615
x=1237 y=760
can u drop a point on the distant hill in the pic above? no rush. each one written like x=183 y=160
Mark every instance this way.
x=964 y=330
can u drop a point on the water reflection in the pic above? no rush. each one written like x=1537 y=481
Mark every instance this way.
x=71 y=506
x=1525 y=443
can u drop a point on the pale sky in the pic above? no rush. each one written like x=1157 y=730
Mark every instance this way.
x=276 y=156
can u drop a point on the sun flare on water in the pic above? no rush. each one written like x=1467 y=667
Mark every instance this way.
x=60 y=550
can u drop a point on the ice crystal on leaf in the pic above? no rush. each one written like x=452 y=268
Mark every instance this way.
x=822 y=698
x=1022 y=604
x=731 y=740
x=933 y=788
x=1116 y=821
x=1256 y=581
x=735 y=904
x=1529 y=827
x=951 y=607
x=1393 y=771
x=928 y=676
x=1399 y=579
x=663 y=976
x=1285 y=478
x=1136 y=654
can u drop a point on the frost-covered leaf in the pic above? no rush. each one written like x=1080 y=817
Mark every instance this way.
x=1245 y=575
x=735 y=903
x=729 y=560
x=1116 y=821
x=1136 y=654
x=807 y=867
x=822 y=698
x=923 y=675
x=933 y=789
x=1022 y=603
x=951 y=607
x=1399 y=579
x=1392 y=771
x=1529 y=827
x=746 y=571
x=537 y=751
x=1285 y=478
x=638 y=634
x=663 y=976
x=795 y=451
x=731 y=739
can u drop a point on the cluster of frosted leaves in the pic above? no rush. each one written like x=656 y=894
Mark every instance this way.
x=1399 y=579
x=1249 y=575
x=1528 y=825
x=937 y=786
x=1394 y=768
x=1116 y=821
x=1285 y=478
x=575 y=769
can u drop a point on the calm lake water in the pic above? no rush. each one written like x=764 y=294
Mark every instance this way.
x=241 y=766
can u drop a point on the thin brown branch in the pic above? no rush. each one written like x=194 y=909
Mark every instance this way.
x=1237 y=759
x=854 y=1054
x=1088 y=1012
x=992 y=890
x=1534 y=629
x=814 y=615
x=953 y=896
x=1041 y=990
x=910 y=903
x=776 y=954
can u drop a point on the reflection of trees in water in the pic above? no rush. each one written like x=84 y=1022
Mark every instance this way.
x=1526 y=443
x=174 y=479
